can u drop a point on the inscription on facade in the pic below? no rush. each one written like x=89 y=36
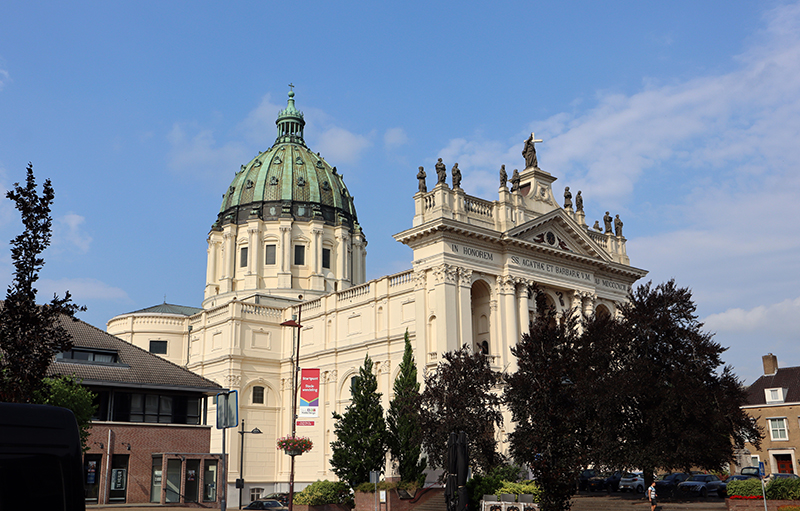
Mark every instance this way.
x=610 y=284
x=551 y=268
x=472 y=252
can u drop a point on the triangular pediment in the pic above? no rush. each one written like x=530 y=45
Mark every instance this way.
x=557 y=230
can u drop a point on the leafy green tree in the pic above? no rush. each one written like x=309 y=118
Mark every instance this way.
x=403 y=418
x=361 y=436
x=67 y=392
x=30 y=334
x=460 y=395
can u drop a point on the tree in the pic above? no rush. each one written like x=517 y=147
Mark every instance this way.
x=460 y=396
x=549 y=397
x=67 y=392
x=361 y=437
x=403 y=418
x=642 y=390
x=683 y=409
x=30 y=334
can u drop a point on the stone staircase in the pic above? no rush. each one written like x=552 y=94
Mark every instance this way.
x=433 y=503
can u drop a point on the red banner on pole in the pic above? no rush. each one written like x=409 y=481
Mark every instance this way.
x=309 y=393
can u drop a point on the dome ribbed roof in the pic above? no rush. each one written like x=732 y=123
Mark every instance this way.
x=288 y=180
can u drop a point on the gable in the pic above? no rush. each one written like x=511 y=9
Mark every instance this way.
x=558 y=231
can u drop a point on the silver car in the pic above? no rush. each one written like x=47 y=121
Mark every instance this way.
x=632 y=481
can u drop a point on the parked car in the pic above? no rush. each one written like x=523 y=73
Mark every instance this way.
x=612 y=481
x=283 y=498
x=583 y=479
x=751 y=471
x=702 y=484
x=597 y=483
x=666 y=486
x=772 y=477
x=272 y=505
x=632 y=481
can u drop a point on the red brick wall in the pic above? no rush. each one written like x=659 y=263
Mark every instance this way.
x=758 y=505
x=365 y=501
x=146 y=440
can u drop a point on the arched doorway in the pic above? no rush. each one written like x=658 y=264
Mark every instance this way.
x=481 y=296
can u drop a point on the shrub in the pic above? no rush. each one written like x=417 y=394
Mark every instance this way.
x=521 y=488
x=783 y=489
x=747 y=488
x=325 y=492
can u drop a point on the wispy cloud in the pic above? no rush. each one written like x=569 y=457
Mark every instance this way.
x=195 y=147
x=395 y=137
x=68 y=233
x=81 y=289
x=725 y=148
x=4 y=78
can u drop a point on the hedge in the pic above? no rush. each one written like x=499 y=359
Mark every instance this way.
x=777 y=489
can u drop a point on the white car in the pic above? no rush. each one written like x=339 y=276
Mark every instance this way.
x=632 y=481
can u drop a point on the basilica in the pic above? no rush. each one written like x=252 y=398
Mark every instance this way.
x=287 y=245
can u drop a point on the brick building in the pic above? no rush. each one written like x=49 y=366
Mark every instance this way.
x=774 y=399
x=150 y=441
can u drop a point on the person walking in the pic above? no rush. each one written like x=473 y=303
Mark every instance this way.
x=651 y=496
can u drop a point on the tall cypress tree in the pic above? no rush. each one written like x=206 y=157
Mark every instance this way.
x=361 y=437
x=30 y=334
x=403 y=418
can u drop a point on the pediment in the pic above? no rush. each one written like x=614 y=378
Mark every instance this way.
x=558 y=231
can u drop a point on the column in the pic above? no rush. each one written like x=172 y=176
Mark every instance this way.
x=522 y=303
x=229 y=247
x=284 y=257
x=465 y=306
x=508 y=318
x=317 y=280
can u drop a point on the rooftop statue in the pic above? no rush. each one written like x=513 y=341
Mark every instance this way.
x=503 y=176
x=515 y=181
x=596 y=226
x=441 y=172
x=607 y=221
x=421 y=176
x=578 y=202
x=567 y=198
x=529 y=152
x=456 y=176
x=618 y=226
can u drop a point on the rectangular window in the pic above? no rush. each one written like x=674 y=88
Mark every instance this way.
x=158 y=347
x=299 y=255
x=258 y=395
x=155 y=480
x=256 y=493
x=777 y=429
x=243 y=257
x=326 y=258
x=210 y=481
x=270 y=254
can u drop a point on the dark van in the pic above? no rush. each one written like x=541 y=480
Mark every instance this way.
x=40 y=459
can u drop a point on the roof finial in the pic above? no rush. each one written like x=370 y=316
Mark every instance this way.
x=291 y=90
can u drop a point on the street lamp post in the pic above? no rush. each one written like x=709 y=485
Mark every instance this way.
x=296 y=368
x=242 y=432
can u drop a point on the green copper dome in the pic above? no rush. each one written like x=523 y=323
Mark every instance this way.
x=288 y=180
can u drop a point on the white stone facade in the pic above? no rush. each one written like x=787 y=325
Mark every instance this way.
x=474 y=262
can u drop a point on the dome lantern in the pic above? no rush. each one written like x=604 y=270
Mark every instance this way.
x=290 y=122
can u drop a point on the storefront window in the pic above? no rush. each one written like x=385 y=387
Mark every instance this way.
x=91 y=477
x=210 y=481
x=192 y=480
x=155 y=483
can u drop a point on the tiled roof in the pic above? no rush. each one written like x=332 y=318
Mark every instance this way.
x=136 y=367
x=169 y=308
x=786 y=377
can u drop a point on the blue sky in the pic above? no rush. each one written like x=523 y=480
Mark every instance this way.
x=681 y=117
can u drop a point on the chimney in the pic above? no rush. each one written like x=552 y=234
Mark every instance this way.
x=770 y=364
